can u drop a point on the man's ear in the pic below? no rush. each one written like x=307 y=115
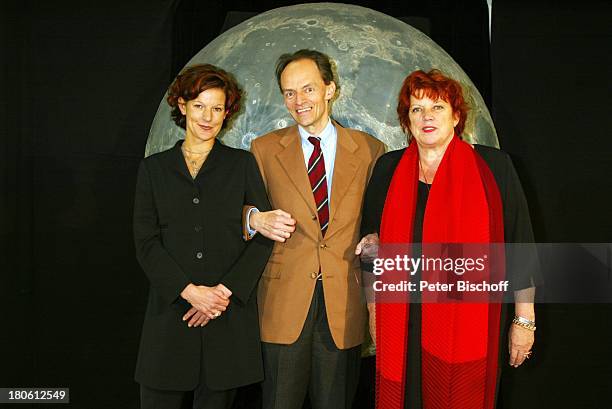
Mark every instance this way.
x=330 y=90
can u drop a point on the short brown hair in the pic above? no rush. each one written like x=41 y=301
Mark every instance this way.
x=197 y=78
x=323 y=62
x=434 y=85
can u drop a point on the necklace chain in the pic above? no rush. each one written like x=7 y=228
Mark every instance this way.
x=424 y=177
x=193 y=152
x=193 y=163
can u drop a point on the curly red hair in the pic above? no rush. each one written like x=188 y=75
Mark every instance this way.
x=197 y=78
x=434 y=85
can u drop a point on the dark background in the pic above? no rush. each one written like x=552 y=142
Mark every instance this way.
x=81 y=82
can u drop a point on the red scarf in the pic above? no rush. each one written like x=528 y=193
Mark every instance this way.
x=459 y=340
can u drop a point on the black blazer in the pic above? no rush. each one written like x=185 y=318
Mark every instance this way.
x=189 y=231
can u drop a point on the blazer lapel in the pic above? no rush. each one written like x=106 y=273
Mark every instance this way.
x=345 y=169
x=215 y=157
x=177 y=162
x=292 y=161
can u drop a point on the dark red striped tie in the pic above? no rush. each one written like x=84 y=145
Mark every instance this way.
x=318 y=182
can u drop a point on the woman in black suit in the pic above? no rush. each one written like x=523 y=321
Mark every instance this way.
x=201 y=330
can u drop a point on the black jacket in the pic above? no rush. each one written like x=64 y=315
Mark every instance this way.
x=190 y=231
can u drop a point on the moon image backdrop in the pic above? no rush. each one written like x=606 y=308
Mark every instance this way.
x=373 y=53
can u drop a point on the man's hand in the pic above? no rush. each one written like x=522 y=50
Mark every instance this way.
x=367 y=248
x=211 y=301
x=276 y=224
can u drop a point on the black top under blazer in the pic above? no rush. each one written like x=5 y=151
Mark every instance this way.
x=190 y=231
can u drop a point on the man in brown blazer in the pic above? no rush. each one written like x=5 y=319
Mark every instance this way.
x=311 y=309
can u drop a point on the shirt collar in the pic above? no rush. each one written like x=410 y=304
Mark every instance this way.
x=325 y=135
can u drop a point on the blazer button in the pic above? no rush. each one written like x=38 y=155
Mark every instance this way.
x=196 y=200
x=198 y=229
x=313 y=275
x=323 y=246
x=199 y=255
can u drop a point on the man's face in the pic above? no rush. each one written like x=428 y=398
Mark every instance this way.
x=306 y=95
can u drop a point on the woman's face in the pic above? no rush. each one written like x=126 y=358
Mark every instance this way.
x=432 y=123
x=204 y=115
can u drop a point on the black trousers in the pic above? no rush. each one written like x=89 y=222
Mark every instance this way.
x=203 y=398
x=313 y=364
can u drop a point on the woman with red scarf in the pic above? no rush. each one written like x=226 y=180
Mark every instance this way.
x=444 y=190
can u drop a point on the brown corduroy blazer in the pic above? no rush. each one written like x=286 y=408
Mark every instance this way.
x=287 y=284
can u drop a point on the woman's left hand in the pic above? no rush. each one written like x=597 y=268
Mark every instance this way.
x=520 y=341
x=196 y=318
